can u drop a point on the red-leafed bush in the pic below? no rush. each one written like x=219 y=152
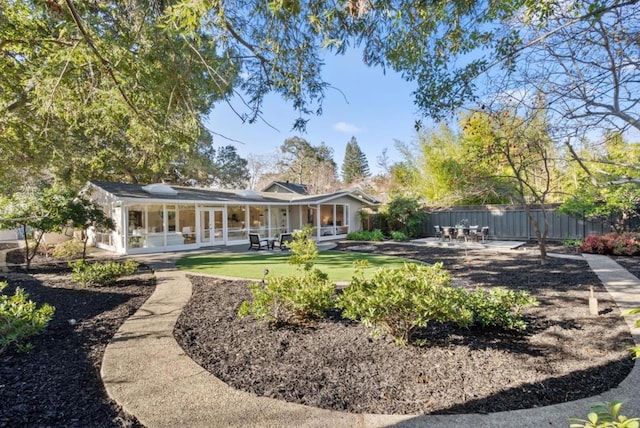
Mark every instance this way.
x=617 y=244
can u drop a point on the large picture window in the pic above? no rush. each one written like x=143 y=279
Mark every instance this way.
x=186 y=222
x=236 y=220
x=334 y=220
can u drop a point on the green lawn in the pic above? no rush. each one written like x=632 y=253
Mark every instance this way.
x=337 y=264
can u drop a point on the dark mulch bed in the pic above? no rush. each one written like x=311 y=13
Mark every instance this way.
x=564 y=355
x=58 y=384
x=632 y=264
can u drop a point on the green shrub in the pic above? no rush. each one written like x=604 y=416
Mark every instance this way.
x=366 y=235
x=68 y=250
x=499 y=307
x=304 y=251
x=636 y=349
x=396 y=301
x=101 y=274
x=21 y=319
x=399 y=236
x=293 y=299
x=290 y=299
x=572 y=243
x=605 y=415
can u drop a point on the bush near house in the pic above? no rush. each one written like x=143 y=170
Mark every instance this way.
x=366 y=235
x=617 y=244
x=101 y=274
x=71 y=249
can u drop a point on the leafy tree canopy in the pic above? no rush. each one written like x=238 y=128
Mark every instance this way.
x=104 y=90
x=593 y=196
x=118 y=89
x=303 y=163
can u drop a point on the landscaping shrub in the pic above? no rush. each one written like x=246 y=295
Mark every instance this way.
x=619 y=244
x=304 y=251
x=290 y=299
x=21 y=319
x=605 y=415
x=499 y=307
x=396 y=301
x=71 y=249
x=101 y=274
x=406 y=214
x=572 y=242
x=293 y=299
x=366 y=235
x=399 y=236
x=636 y=349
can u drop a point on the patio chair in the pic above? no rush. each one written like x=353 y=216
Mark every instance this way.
x=462 y=234
x=438 y=231
x=285 y=238
x=484 y=233
x=255 y=242
x=474 y=232
x=448 y=233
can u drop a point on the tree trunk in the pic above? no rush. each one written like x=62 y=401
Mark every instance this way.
x=85 y=238
x=27 y=255
x=540 y=235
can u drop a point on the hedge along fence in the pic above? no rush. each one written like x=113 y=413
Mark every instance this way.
x=510 y=222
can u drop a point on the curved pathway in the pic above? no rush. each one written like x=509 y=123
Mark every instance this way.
x=149 y=375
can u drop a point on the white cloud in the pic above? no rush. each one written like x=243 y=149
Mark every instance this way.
x=345 y=127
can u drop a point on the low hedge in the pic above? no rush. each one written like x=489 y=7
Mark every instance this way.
x=616 y=244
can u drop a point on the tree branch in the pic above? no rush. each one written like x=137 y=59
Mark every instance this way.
x=105 y=62
x=592 y=177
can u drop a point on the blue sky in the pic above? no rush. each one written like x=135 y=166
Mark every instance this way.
x=375 y=107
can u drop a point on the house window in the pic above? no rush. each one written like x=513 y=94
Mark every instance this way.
x=137 y=226
x=258 y=220
x=334 y=219
x=236 y=219
x=186 y=222
x=171 y=218
x=155 y=216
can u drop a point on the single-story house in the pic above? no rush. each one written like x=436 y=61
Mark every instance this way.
x=160 y=217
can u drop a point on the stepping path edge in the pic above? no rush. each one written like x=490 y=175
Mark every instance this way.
x=147 y=373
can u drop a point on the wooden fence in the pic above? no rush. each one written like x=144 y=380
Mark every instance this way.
x=511 y=222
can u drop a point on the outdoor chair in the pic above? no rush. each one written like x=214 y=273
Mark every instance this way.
x=474 y=232
x=484 y=233
x=285 y=238
x=448 y=233
x=256 y=243
x=462 y=234
x=438 y=231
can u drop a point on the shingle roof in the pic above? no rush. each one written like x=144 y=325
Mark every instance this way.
x=300 y=189
x=136 y=191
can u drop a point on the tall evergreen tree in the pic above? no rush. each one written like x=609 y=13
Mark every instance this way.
x=355 y=166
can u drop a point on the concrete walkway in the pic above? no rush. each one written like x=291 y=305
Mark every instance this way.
x=151 y=377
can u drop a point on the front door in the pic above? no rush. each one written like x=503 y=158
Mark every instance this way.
x=211 y=227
